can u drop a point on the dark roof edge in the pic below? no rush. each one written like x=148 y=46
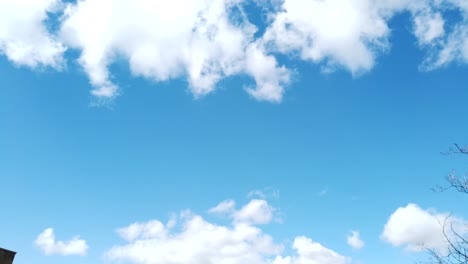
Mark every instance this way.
x=7 y=250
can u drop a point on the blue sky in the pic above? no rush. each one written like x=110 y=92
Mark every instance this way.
x=310 y=148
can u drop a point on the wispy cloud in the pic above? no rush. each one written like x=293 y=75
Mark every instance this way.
x=227 y=206
x=265 y=193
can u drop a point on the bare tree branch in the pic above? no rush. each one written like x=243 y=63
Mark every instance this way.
x=457 y=241
x=456 y=150
x=456 y=182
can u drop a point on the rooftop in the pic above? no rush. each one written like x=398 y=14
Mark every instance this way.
x=6 y=250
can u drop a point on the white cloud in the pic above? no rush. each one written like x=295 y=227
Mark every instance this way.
x=223 y=207
x=428 y=27
x=451 y=45
x=270 y=79
x=24 y=38
x=453 y=49
x=418 y=229
x=310 y=252
x=201 y=43
x=256 y=211
x=148 y=229
x=444 y=43
x=209 y=40
x=343 y=33
x=199 y=242
x=354 y=240
x=195 y=240
x=49 y=246
x=353 y=33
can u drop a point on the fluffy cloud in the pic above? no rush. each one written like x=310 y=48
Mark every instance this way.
x=143 y=230
x=170 y=39
x=353 y=33
x=418 y=229
x=195 y=240
x=24 y=37
x=47 y=243
x=310 y=252
x=339 y=32
x=205 y=41
x=256 y=211
x=354 y=240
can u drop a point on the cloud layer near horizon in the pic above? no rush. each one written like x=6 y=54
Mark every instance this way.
x=192 y=239
x=206 y=41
